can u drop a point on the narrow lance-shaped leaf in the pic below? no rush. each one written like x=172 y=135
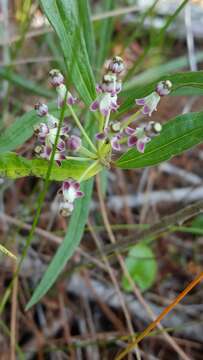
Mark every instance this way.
x=62 y=16
x=68 y=247
x=15 y=166
x=25 y=83
x=87 y=28
x=105 y=33
x=73 y=235
x=177 y=135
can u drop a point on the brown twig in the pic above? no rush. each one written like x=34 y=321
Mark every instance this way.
x=159 y=227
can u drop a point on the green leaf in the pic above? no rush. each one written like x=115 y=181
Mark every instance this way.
x=198 y=222
x=62 y=15
x=105 y=32
x=180 y=81
x=25 y=83
x=15 y=166
x=142 y=267
x=87 y=28
x=22 y=129
x=178 y=135
x=69 y=245
x=154 y=73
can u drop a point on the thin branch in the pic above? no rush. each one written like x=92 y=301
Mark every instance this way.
x=159 y=227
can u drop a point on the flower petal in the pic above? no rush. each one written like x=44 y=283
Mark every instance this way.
x=94 y=106
x=132 y=140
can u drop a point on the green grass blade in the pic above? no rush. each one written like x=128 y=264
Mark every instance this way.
x=67 y=248
x=24 y=83
x=178 y=135
x=84 y=15
x=105 y=32
x=62 y=16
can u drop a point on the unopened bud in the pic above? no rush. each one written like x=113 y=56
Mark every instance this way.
x=56 y=77
x=41 y=109
x=164 y=87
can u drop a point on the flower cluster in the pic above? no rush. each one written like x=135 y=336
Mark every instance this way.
x=114 y=135
x=117 y=133
x=46 y=133
x=47 y=130
x=110 y=86
x=70 y=191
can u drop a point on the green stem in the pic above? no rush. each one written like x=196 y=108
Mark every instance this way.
x=77 y=121
x=107 y=120
x=77 y=158
x=129 y=120
x=86 y=152
x=88 y=170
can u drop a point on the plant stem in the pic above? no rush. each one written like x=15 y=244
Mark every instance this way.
x=129 y=120
x=88 y=170
x=88 y=153
x=78 y=158
x=77 y=121
x=107 y=119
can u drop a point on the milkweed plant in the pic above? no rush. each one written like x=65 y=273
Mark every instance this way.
x=113 y=136
x=117 y=132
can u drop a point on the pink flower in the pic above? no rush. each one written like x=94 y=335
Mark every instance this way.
x=74 y=143
x=70 y=191
x=105 y=104
x=149 y=103
x=137 y=138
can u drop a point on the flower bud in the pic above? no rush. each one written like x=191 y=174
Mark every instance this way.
x=164 y=87
x=116 y=65
x=74 y=143
x=56 y=77
x=41 y=109
x=115 y=126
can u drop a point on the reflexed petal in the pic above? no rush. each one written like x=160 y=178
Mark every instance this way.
x=61 y=145
x=146 y=110
x=94 y=106
x=140 y=146
x=129 y=131
x=100 y=136
x=74 y=142
x=132 y=140
x=66 y=185
x=76 y=185
x=52 y=121
x=98 y=89
x=140 y=101
x=115 y=143
x=80 y=194
x=65 y=130
x=70 y=99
